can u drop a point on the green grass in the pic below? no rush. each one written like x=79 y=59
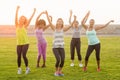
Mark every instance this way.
x=110 y=61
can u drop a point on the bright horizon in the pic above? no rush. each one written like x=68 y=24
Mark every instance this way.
x=101 y=10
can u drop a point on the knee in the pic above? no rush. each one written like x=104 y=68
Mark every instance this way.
x=24 y=56
x=19 y=57
x=58 y=60
x=62 y=61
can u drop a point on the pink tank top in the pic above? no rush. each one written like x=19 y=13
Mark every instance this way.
x=39 y=35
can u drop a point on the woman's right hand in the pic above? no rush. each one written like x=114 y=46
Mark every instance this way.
x=18 y=7
x=70 y=12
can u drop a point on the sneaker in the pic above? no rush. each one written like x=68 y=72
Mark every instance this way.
x=98 y=69
x=80 y=65
x=19 y=71
x=43 y=66
x=72 y=64
x=27 y=70
x=61 y=74
x=37 y=66
x=84 y=69
x=56 y=74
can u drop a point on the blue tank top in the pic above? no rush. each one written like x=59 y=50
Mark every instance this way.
x=92 y=38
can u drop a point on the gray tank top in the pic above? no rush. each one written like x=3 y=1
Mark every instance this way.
x=58 y=39
x=76 y=32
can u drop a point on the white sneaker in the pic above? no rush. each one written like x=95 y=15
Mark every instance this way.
x=27 y=70
x=19 y=71
x=72 y=64
x=56 y=74
x=80 y=65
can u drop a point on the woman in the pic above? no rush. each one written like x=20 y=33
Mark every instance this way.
x=22 y=39
x=93 y=41
x=58 y=44
x=75 y=41
x=40 y=27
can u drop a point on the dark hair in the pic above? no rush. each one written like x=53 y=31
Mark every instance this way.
x=40 y=22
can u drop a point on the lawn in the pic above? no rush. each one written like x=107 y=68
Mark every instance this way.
x=110 y=61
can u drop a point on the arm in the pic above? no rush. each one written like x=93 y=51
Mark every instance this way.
x=100 y=27
x=48 y=24
x=84 y=21
x=70 y=16
x=67 y=28
x=51 y=25
x=16 y=16
x=37 y=19
x=29 y=20
x=46 y=27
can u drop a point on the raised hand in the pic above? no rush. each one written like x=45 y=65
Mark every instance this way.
x=34 y=9
x=75 y=17
x=46 y=12
x=112 y=21
x=18 y=7
x=50 y=18
x=70 y=12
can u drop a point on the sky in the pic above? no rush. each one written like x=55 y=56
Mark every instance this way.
x=101 y=10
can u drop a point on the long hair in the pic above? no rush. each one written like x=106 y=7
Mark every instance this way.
x=40 y=22
x=61 y=20
x=26 y=21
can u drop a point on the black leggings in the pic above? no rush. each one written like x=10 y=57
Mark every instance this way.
x=60 y=57
x=22 y=50
x=75 y=43
x=90 y=50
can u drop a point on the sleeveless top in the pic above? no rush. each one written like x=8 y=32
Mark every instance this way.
x=39 y=35
x=21 y=35
x=92 y=38
x=58 y=39
x=76 y=32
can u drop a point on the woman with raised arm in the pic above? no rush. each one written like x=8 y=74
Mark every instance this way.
x=22 y=39
x=58 y=44
x=40 y=27
x=93 y=41
x=75 y=41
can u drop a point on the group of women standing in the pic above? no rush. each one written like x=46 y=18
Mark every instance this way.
x=58 y=42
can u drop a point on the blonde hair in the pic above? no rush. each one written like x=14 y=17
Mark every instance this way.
x=25 y=22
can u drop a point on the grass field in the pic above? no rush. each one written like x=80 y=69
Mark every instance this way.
x=110 y=61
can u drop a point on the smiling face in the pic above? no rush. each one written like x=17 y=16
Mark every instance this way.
x=22 y=20
x=76 y=23
x=59 y=23
x=92 y=22
x=41 y=24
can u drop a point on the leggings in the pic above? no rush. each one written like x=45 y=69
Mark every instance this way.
x=42 y=50
x=60 y=57
x=22 y=50
x=75 y=43
x=90 y=50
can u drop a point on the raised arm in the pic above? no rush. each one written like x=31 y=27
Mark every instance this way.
x=70 y=17
x=37 y=19
x=68 y=27
x=29 y=20
x=100 y=27
x=50 y=23
x=84 y=20
x=16 y=16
